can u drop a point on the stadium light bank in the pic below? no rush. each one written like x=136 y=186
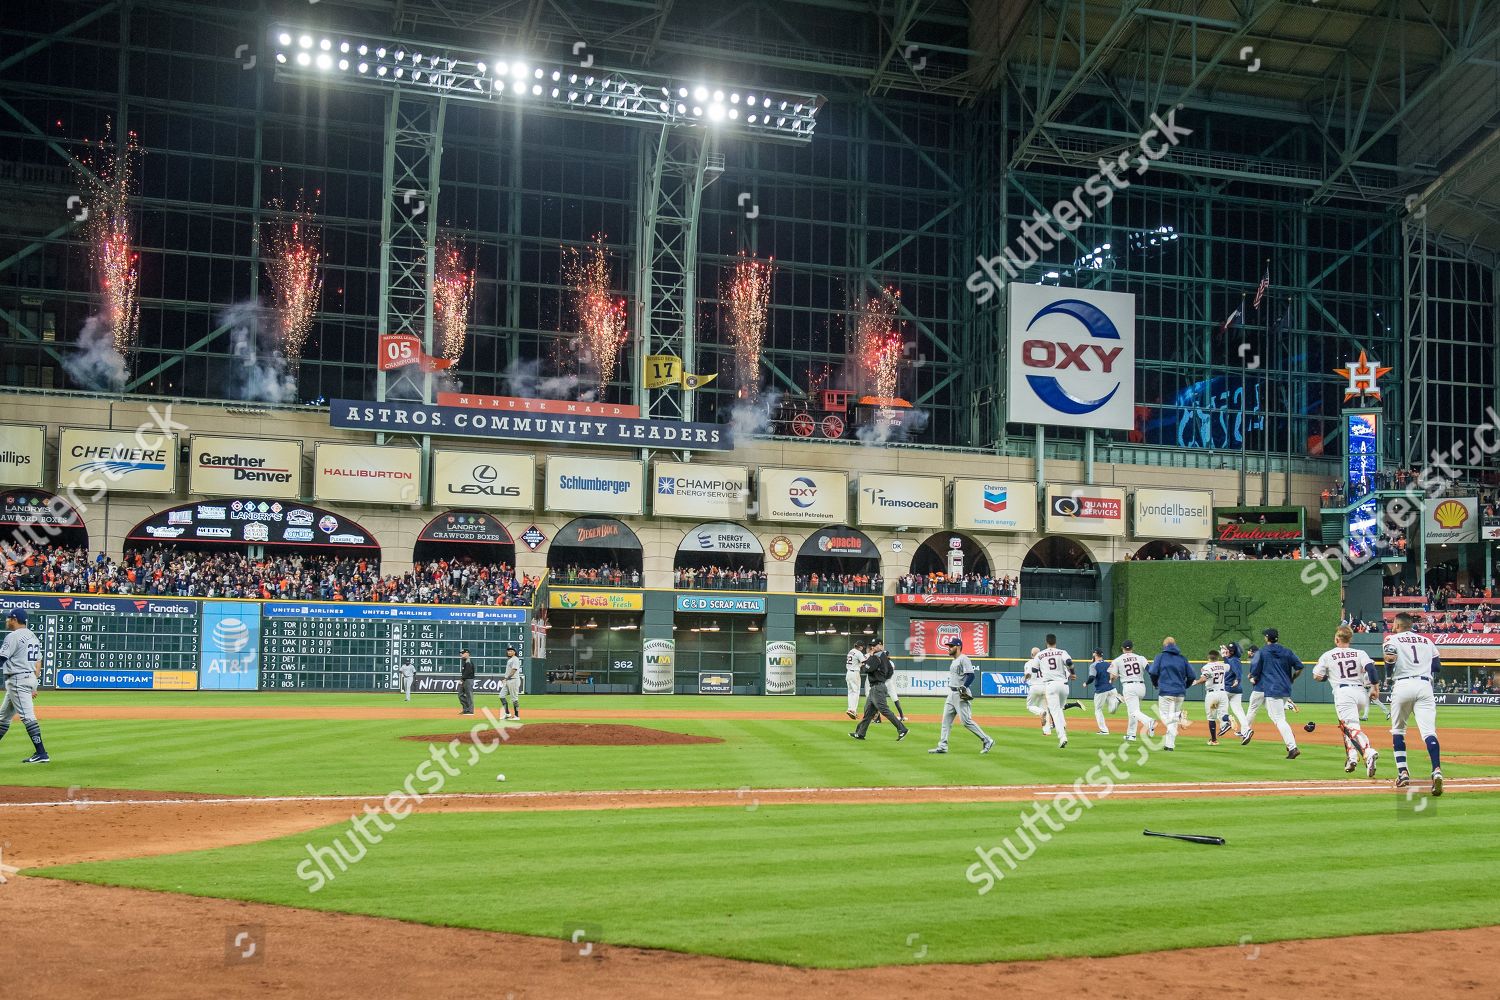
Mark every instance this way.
x=1039 y=235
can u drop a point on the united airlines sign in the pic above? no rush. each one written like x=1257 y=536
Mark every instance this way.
x=1072 y=357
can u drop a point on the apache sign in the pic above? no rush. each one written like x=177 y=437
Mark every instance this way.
x=458 y=421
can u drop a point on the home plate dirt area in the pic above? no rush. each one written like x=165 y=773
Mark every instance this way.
x=86 y=940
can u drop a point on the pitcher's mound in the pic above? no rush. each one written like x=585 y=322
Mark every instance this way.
x=568 y=734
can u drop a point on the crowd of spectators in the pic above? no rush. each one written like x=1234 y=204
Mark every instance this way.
x=1440 y=597
x=840 y=583
x=171 y=572
x=1476 y=682
x=969 y=583
x=718 y=578
x=595 y=576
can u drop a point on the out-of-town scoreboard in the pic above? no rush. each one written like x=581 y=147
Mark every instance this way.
x=186 y=644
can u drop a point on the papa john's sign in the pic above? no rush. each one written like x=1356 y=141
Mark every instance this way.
x=1071 y=357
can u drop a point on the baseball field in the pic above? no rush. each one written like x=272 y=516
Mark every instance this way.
x=358 y=844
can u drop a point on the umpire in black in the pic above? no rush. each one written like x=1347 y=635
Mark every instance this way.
x=877 y=669
x=465 y=683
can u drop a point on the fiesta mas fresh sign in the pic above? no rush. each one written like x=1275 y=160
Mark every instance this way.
x=1071 y=357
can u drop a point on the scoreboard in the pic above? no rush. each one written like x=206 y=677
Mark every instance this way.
x=186 y=644
x=358 y=646
x=116 y=641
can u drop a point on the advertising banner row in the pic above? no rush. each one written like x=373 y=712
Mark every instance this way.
x=272 y=469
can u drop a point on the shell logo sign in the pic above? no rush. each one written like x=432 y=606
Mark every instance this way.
x=1450 y=515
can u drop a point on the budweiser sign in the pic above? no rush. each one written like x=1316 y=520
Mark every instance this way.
x=1258 y=533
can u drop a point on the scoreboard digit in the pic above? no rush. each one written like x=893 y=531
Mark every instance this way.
x=127 y=639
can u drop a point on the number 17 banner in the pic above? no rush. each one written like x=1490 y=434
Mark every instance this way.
x=398 y=350
x=666 y=369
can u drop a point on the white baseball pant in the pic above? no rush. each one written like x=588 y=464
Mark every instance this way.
x=1169 y=710
x=1134 y=692
x=1256 y=701
x=1237 y=709
x=1036 y=698
x=1105 y=701
x=1276 y=712
x=1412 y=698
x=1216 y=706
x=851 y=681
x=1057 y=693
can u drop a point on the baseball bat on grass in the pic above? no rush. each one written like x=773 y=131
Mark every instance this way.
x=1192 y=838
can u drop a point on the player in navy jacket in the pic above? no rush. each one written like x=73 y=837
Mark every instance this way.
x=1172 y=675
x=1234 y=685
x=1272 y=672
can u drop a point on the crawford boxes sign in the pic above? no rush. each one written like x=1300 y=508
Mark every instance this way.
x=510 y=425
x=1072 y=357
x=250 y=467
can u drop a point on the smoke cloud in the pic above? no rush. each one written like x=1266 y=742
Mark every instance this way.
x=880 y=432
x=94 y=363
x=257 y=365
x=751 y=417
x=524 y=378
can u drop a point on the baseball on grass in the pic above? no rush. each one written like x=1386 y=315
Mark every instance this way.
x=499 y=777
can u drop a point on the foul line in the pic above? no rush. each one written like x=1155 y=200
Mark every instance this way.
x=739 y=794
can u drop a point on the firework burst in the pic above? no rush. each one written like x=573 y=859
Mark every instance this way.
x=108 y=175
x=601 y=317
x=452 y=296
x=877 y=342
x=747 y=304
x=291 y=245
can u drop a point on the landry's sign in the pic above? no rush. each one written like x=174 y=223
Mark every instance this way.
x=510 y=425
x=471 y=526
x=37 y=507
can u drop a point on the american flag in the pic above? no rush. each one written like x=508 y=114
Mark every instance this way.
x=1260 y=290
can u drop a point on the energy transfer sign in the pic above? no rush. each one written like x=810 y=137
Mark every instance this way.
x=1072 y=357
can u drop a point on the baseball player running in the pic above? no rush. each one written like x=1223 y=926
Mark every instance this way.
x=1057 y=671
x=1172 y=675
x=1272 y=672
x=1130 y=669
x=510 y=684
x=1233 y=687
x=1215 y=698
x=1349 y=671
x=853 y=660
x=406 y=672
x=960 y=676
x=1414 y=662
x=877 y=670
x=1036 y=692
x=21 y=663
x=1106 y=698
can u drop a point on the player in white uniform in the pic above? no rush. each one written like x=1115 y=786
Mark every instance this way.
x=1215 y=698
x=1414 y=663
x=510 y=684
x=1057 y=671
x=1129 y=668
x=1350 y=671
x=1036 y=692
x=853 y=660
x=405 y=673
x=20 y=669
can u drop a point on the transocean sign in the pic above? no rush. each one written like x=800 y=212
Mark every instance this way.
x=459 y=421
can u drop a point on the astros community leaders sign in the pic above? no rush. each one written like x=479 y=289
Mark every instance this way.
x=459 y=421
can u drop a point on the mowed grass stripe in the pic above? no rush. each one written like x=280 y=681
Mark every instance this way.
x=368 y=757
x=845 y=886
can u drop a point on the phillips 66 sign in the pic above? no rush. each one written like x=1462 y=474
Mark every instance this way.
x=1072 y=357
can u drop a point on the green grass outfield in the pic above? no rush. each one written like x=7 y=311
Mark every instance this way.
x=334 y=756
x=842 y=886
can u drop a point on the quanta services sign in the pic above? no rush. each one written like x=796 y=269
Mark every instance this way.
x=1085 y=510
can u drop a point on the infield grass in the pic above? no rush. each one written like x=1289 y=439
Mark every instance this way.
x=843 y=886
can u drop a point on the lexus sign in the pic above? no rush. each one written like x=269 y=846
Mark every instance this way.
x=1072 y=357
x=484 y=479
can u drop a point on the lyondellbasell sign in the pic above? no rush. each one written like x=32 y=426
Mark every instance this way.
x=512 y=425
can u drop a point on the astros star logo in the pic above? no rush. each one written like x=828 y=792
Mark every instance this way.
x=1362 y=376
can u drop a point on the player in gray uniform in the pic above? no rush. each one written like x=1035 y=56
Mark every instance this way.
x=406 y=672
x=21 y=663
x=960 y=673
x=510 y=685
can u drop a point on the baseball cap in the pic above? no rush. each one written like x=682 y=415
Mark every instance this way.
x=19 y=614
x=1098 y=651
x=953 y=642
x=1127 y=644
x=1271 y=635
